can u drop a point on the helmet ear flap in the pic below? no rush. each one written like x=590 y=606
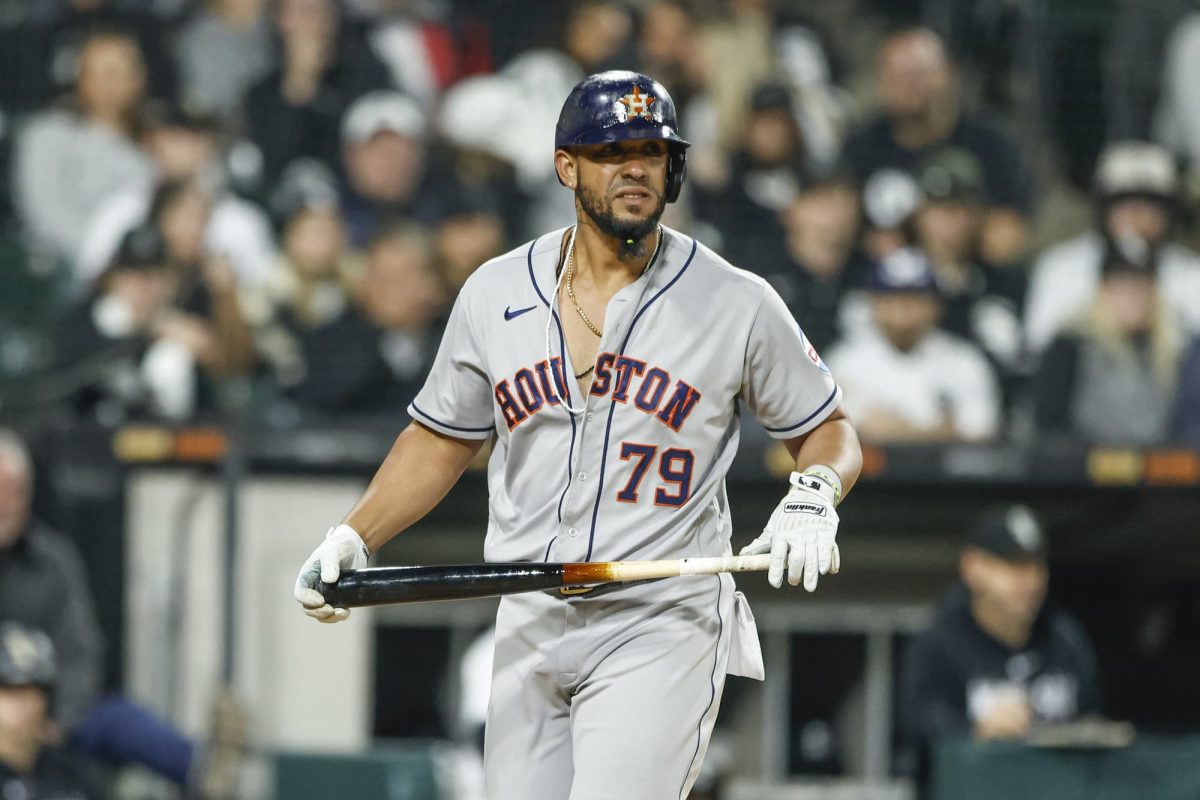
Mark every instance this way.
x=676 y=171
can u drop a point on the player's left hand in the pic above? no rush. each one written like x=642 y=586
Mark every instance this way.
x=342 y=549
x=801 y=534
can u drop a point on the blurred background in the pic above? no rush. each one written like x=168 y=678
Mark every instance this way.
x=230 y=232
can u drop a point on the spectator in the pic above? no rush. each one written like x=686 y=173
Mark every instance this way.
x=982 y=302
x=476 y=122
x=818 y=268
x=136 y=346
x=921 y=111
x=470 y=230
x=68 y=159
x=295 y=111
x=806 y=57
x=43 y=585
x=62 y=29
x=309 y=288
x=736 y=55
x=184 y=147
x=997 y=661
x=402 y=298
x=905 y=380
x=224 y=49
x=385 y=164
x=207 y=298
x=1137 y=208
x=371 y=357
x=1114 y=376
x=766 y=174
x=29 y=767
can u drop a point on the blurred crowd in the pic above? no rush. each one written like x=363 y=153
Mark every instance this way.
x=206 y=204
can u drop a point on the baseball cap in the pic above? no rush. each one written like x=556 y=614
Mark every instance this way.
x=951 y=174
x=903 y=270
x=380 y=111
x=771 y=96
x=1136 y=168
x=1011 y=532
x=142 y=248
x=26 y=656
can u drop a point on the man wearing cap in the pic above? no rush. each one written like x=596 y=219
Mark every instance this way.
x=119 y=351
x=385 y=167
x=996 y=662
x=766 y=173
x=908 y=381
x=982 y=302
x=29 y=768
x=1137 y=200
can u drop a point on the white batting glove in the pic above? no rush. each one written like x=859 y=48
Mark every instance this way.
x=802 y=531
x=342 y=549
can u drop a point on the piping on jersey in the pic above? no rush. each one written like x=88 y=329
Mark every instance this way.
x=437 y=421
x=807 y=419
x=712 y=683
x=566 y=388
x=612 y=403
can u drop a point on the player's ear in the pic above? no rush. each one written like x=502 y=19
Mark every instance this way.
x=566 y=167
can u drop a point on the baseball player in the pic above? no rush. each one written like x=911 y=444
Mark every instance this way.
x=607 y=364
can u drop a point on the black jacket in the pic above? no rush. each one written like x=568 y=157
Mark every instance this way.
x=950 y=669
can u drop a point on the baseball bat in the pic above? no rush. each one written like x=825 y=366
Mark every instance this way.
x=384 y=585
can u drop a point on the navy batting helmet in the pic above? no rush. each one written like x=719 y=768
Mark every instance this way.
x=617 y=106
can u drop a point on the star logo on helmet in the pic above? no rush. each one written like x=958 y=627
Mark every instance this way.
x=638 y=104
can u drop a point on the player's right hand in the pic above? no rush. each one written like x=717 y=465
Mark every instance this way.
x=342 y=549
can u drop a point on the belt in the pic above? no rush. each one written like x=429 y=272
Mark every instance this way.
x=581 y=592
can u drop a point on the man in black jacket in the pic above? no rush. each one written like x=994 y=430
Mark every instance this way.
x=997 y=662
x=29 y=768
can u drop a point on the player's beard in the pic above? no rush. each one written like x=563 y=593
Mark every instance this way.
x=629 y=233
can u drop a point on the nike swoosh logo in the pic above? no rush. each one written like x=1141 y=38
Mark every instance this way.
x=509 y=314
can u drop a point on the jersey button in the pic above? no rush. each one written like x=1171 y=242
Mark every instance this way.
x=583 y=476
x=572 y=532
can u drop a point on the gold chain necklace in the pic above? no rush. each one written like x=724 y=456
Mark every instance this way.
x=571 y=289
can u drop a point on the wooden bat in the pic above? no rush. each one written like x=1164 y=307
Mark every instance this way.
x=384 y=585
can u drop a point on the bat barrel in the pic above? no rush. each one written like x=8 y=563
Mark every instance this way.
x=386 y=585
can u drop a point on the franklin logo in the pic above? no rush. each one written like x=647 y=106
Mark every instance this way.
x=804 y=508
x=638 y=105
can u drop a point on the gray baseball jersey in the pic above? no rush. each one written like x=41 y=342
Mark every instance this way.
x=640 y=474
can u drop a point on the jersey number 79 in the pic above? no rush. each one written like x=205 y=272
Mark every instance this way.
x=674 y=467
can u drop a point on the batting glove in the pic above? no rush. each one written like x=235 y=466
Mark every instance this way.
x=802 y=531
x=342 y=549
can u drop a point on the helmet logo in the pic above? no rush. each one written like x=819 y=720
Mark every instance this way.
x=638 y=105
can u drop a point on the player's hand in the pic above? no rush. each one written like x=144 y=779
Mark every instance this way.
x=342 y=549
x=801 y=534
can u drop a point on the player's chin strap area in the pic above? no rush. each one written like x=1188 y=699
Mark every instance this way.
x=566 y=402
